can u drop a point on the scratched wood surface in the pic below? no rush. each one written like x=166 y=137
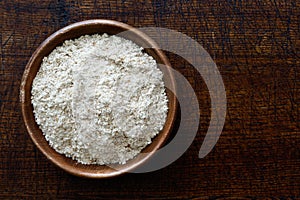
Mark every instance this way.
x=256 y=46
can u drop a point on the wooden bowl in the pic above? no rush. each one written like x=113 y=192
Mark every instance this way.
x=74 y=31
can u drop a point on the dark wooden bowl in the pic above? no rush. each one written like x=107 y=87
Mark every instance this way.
x=74 y=31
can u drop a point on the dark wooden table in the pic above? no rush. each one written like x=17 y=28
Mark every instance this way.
x=256 y=46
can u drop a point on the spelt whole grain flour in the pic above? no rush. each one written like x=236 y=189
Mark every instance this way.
x=99 y=99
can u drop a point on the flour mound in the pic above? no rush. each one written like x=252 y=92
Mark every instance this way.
x=99 y=99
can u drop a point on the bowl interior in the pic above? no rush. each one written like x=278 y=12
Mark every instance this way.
x=71 y=32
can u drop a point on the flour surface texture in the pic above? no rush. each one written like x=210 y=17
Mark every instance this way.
x=99 y=99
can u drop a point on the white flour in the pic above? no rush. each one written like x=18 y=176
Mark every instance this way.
x=99 y=99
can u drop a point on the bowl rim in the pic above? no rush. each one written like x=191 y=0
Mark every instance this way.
x=25 y=96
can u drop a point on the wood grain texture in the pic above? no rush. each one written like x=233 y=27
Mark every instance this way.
x=256 y=45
